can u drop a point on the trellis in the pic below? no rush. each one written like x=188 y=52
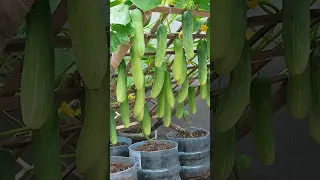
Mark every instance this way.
x=69 y=131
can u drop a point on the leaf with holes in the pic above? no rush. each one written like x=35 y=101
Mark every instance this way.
x=120 y=15
x=146 y=4
x=119 y=35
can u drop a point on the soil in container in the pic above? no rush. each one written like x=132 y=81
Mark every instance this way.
x=119 y=166
x=152 y=146
x=195 y=134
x=118 y=144
x=132 y=129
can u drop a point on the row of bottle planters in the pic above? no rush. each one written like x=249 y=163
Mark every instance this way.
x=188 y=157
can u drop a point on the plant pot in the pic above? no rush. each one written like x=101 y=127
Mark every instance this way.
x=157 y=165
x=194 y=153
x=121 y=150
x=134 y=133
x=128 y=174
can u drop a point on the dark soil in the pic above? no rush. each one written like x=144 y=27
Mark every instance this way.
x=118 y=144
x=118 y=167
x=153 y=146
x=195 y=134
x=132 y=129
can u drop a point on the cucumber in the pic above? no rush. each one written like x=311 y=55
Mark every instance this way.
x=178 y=60
x=161 y=44
x=183 y=92
x=161 y=103
x=203 y=91
x=223 y=154
x=299 y=94
x=237 y=95
x=180 y=110
x=122 y=82
x=187 y=30
x=296 y=35
x=140 y=101
x=314 y=116
x=228 y=33
x=168 y=90
x=98 y=172
x=89 y=40
x=202 y=62
x=46 y=148
x=124 y=111
x=146 y=122
x=96 y=109
x=113 y=131
x=158 y=81
x=139 y=116
x=38 y=74
x=184 y=71
x=7 y=169
x=137 y=70
x=167 y=116
x=261 y=116
x=138 y=37
x=191 y=97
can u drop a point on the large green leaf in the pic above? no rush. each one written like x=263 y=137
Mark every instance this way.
x=146 y=5
x=203 y=4
x=120 y=14
x=119 y=35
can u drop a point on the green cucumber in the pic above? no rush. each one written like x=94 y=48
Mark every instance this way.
x=124 y=111
x=178 y=60
x=179 y=110
x=138 y=43
x=168 y=90
x=146 y=122
x=202 y=62
x=161 y=103
x=187 y=30
x=122 y=82
x=192 y=102
x=161 y=44
x=113 y=131
x=183 y=92
x=158 y=81
x=184 y=73
x=136 y=70
x=167 y=116
x=203 y=91
x=140 y=101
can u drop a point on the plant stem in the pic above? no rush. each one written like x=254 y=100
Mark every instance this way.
x=14 y=131
x=67 y=155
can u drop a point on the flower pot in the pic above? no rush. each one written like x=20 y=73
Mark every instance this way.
x=121 y=150
x=194 y=153
x=157 y=165
x=128 y=174
x=134 y=133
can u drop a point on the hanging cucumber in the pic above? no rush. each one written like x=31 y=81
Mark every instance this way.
x=88 y=152
x=262 y=130
x=158 y=81
x=139 y=104
x=178 y=60
x=180 y=110
x=124 y=111
x=46 y=148
x=122 y=82
x=137 y=70
x=192 y=102
x=161 y=44
x=7 y=169
x=146 y=122
x=202 y=62
x=228 y=33
x=314 y=116
x=167 y=116
x=184 y=73
x=139 y=116
x=89 y=40
x=299 y=94
x=113 y=132
x=161 y=103
x=203 y=91
x=168 y=90
x=138 y=38
x=237 y=95
x=183 y=92
x=296 y=35
x=37 y=79
x=187 y=37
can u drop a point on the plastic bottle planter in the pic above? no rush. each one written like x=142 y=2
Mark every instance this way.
x=121 y=150
x=128 y=174
x=194 y=154
x=157 y=165
x=134 y=133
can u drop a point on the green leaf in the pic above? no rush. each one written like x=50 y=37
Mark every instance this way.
x=115 y=3
x=119 y=35
x=197 y=22
x=120 y=15
x=203 y=4
x=146 y=5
